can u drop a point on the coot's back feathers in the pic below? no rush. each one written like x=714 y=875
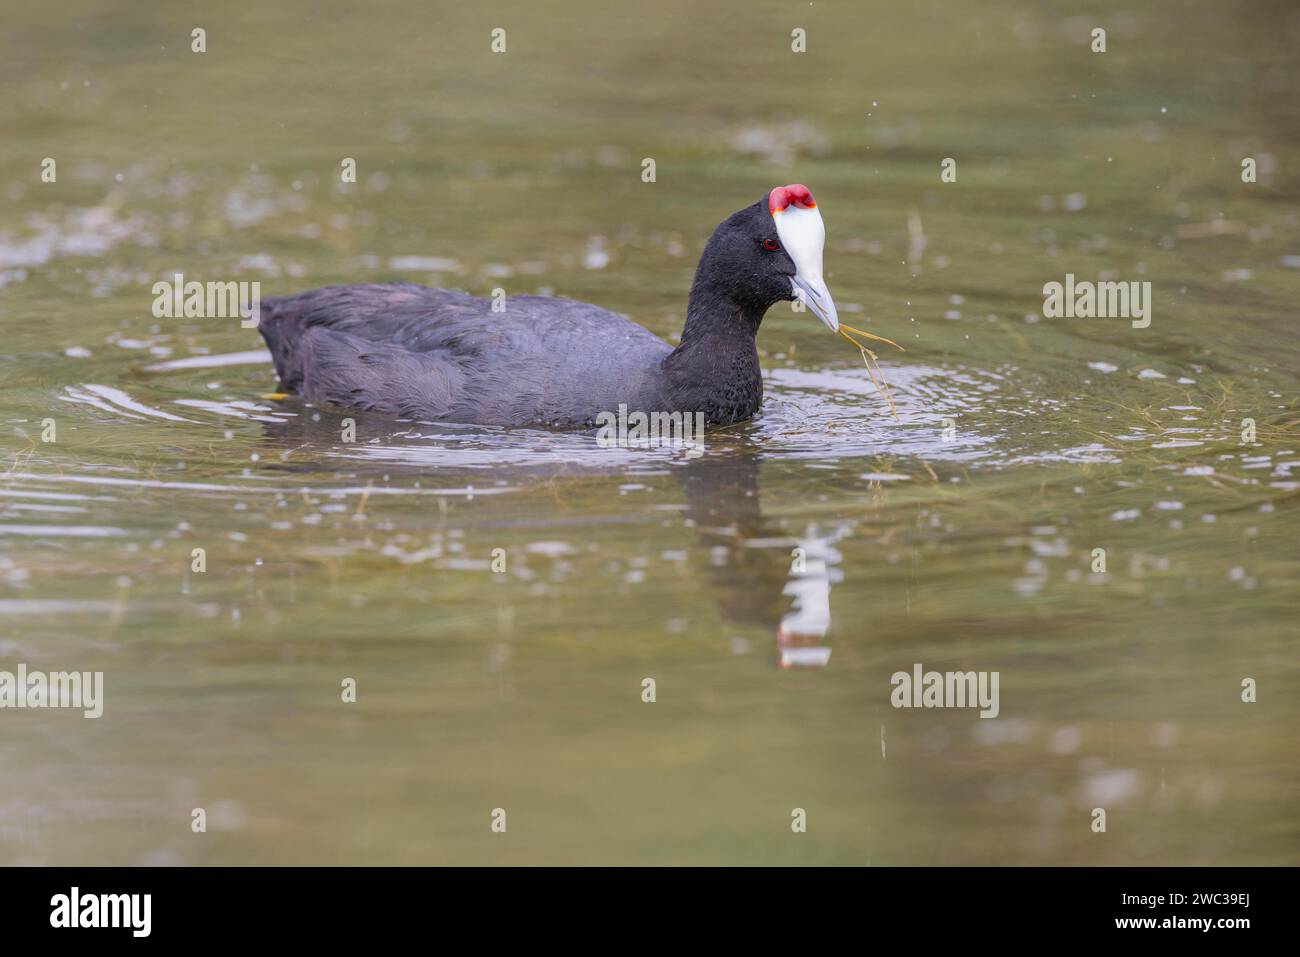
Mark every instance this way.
x=436 y=354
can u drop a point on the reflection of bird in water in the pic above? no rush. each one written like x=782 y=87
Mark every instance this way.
x=812 y=571
x=759 y=571
x=759 y=575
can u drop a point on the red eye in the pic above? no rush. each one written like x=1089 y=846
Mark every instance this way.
x=771 y=245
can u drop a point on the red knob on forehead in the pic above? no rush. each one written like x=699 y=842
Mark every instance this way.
x=800 y=196
x=781 y=197
x=777 y=200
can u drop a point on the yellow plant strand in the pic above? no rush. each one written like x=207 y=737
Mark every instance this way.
x=870 y=335
x=872 y=362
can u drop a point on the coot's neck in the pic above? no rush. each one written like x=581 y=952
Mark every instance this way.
x=714 y=368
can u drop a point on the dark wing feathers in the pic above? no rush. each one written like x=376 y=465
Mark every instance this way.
x=345 y=369
x=428 y=353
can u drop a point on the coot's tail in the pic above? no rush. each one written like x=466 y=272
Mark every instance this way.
x=281 y=326
x=365 y=311
x=375 y=347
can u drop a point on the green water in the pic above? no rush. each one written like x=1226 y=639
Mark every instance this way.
x=959 y=534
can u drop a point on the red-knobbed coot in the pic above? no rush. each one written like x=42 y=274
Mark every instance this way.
x=434 y=354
